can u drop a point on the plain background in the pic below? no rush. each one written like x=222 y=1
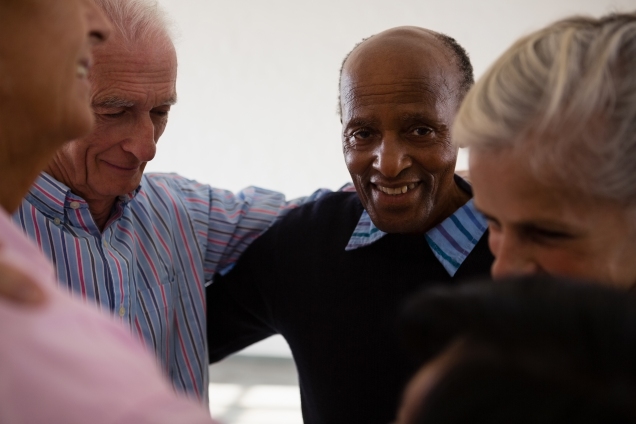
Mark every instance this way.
x=258 y=79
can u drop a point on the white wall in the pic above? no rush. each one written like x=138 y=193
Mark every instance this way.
x=258 y=78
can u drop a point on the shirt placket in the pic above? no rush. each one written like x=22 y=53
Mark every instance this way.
x=119 y=276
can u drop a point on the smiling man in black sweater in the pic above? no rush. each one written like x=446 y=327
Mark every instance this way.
x=332 y=275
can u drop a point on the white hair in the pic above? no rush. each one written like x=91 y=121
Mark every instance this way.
x=564 y=98
x=137 y=19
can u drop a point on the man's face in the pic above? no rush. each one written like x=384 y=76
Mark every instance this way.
x=133 y=87
x=398 y=104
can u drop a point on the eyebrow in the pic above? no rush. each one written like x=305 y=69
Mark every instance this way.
x=118 y=102
x=171 y=101
x=114 y=102
x=362 y=121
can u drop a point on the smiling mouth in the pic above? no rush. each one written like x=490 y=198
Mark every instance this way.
x=397 y=190
x=122 y=168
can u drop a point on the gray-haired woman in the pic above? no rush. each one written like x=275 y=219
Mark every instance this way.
x=551 y=129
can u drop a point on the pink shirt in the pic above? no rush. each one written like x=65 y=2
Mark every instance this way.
x=67 y=363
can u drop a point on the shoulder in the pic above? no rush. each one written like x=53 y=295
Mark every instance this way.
x=173 y=182
x=328 y=219
x=336 y=205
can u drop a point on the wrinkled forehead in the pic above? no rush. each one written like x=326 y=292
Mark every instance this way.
x=144 y=70
x=397 y=73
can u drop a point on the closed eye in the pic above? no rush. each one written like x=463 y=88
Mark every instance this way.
x=114 y=114
x=544 y=233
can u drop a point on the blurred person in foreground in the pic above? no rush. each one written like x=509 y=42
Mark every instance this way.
x=528 y=350
x=62 y=362
x=330 y=276
x=551 y=129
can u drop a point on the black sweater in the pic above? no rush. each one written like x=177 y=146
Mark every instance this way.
x=336 y=309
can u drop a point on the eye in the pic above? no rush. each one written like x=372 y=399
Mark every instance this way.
x=550 y=234
x=421 y=131
x=113 y=114
x=361 y=134
x=161 y=112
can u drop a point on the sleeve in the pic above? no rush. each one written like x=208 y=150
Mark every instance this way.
x=67 y=363
x=239 y=309
x=227 y=223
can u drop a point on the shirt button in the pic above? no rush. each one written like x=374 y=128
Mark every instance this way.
x=122 y=311
x=57 y=221
x=105 y=243
x=75 y=205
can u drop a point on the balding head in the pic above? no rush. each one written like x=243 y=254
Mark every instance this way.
x=410 y=40
x=399 y=93
x=137 y=20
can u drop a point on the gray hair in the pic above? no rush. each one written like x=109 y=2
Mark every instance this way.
x=137 y=19
x=563 y=97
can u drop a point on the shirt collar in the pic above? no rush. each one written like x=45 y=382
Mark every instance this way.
x=451 y=241
x=54 y=198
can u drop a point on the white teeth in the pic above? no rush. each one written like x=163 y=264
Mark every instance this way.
x=82 y=71
x=398 y=190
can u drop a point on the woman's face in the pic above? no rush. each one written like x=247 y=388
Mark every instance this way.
x=537 y=229
x=45 y=55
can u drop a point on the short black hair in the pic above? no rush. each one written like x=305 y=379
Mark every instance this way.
x=462 y=61
x=533 y=349
x=460 y=55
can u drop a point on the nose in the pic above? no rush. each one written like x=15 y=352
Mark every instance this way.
x=391 y=157
x=99 y=27
x=512 y=257
x=141 y=140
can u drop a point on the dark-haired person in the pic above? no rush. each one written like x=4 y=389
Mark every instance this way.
x=331 y=276
x=529 y=350
x=551 y=129
x=62 y=362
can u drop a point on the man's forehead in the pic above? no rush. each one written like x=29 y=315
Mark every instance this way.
x=415 y=91
x=399 y=56
x=141 y=73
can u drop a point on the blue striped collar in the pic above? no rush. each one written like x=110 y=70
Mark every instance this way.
x=54 y=199
x=451 y=241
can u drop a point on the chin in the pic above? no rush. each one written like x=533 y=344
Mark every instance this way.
x=398 y=225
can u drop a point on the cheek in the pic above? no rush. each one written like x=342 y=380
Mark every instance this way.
x=563 y=263
x=356 y=162
x=441 y=157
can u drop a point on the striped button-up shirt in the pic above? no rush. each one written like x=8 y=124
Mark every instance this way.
x=150 y=264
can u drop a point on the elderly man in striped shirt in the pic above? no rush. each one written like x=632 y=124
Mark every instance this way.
x=331 y=276
x=141 y=245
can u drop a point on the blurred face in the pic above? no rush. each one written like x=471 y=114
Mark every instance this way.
x=398 y=104
x=425 y=381
x=418 y=389
x=538 y=229
x=45 y=55
x=133 y=88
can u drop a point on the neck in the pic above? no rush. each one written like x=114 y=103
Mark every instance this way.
x=453 y=200
x=100 y=207
x=100 y=211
